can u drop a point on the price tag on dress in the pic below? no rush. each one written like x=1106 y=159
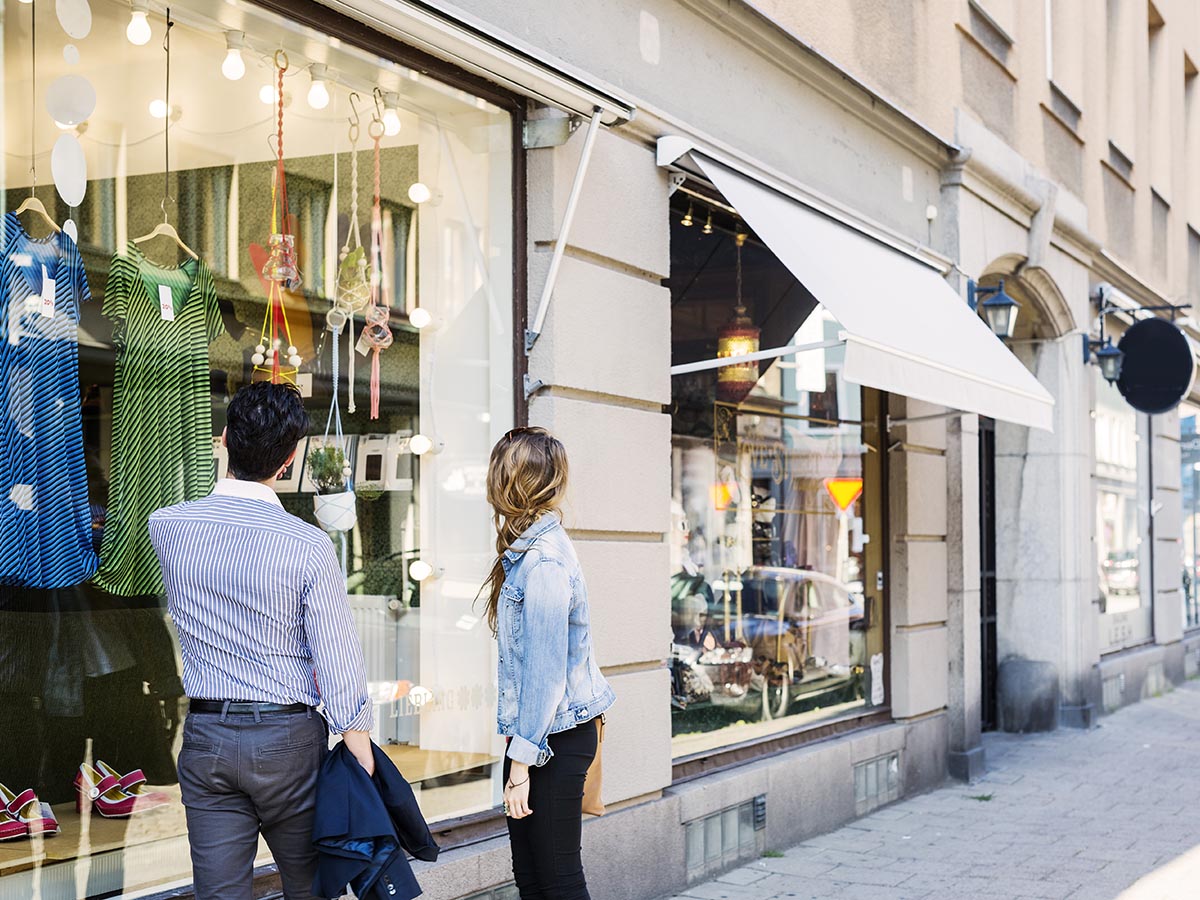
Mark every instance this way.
x=166 y=303
x=47 y=308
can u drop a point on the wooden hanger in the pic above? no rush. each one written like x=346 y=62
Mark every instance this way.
x=166 y=229
x=34 y=205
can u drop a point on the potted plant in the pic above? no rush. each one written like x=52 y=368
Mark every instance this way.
x=329 y=471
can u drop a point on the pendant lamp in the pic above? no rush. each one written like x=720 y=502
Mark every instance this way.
x=739 y=337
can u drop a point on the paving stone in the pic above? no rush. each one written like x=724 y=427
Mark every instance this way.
x=1073 y=815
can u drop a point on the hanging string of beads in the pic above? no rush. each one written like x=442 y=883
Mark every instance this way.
x=281 y=270
x=377 y=336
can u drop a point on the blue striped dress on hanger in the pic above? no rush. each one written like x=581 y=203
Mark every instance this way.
x=45 y=521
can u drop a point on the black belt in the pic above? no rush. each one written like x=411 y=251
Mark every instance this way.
x=244 y=707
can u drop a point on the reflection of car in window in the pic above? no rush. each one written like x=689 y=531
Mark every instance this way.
x=1119 y=573
x=769 y=643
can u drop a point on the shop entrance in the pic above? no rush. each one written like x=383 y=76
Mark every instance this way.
x=987 y=572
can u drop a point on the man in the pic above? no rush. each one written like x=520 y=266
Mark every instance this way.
x=265 y=631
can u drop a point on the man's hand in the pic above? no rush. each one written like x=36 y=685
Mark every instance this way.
x=516 y=791
x=359 y=743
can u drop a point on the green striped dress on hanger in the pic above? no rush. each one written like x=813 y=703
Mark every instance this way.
x=162 y=451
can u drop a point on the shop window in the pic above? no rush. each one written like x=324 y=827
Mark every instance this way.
x=776 y=586
x=1189 y=443
x=89 y=665
x=1121 y=489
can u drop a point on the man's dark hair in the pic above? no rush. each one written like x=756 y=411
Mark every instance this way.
x=264 y=423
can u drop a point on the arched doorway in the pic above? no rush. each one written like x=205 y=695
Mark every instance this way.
x=1017 y=467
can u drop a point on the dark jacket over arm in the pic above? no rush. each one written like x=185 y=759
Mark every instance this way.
x=364 y=827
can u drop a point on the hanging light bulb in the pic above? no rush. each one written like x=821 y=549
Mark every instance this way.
x=138 y=30
x=318 y=94
x=419 y=193
x=421 y=444
x=159 y=109
x=707 y=229
x=391 y=115
x=687 y=220
x=419 y=570
x=234 y=67
x=420 y=318
x=267 y=94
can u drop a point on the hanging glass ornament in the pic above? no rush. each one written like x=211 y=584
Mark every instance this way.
x=281 y=265
x=276 y=355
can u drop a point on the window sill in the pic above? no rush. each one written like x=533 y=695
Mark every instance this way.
x=688 y=768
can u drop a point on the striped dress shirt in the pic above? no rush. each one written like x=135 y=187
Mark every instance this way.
x=259 y=602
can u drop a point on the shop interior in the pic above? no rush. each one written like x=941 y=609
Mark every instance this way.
x=776 y=497
x=167 y=165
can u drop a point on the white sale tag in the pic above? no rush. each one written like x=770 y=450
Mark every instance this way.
x=47 y=294
x=877 y=696
x=166 y=303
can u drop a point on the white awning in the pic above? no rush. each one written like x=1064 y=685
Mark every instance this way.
x=906 y=330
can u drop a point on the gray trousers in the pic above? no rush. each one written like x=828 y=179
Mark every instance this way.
x=242 y=774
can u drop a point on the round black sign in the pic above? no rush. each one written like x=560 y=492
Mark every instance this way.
x=1158 y=368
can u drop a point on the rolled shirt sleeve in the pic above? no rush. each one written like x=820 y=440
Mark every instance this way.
x=545 y=630
x=337 y=654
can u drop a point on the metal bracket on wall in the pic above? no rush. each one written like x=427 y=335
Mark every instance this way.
x=675 y=181
x=564 y=232
x=532 y=386
x=553 y=131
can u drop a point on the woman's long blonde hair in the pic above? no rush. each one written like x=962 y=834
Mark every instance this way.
x=527 y=478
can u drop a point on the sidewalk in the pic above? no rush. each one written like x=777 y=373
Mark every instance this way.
x=1110 y=813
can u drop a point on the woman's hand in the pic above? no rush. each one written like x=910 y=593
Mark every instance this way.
x=359 y=743
x=516 y=792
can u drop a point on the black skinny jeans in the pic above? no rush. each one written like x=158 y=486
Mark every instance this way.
x=546 y=843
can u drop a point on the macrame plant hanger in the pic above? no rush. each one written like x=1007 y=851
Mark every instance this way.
x=376 y=336
x=336 y=511
x=353 y=292
x=280 y=271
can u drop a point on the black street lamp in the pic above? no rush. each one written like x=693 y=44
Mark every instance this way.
x=999 y=309
x=1108 y=357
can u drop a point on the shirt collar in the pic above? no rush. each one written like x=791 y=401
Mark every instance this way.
x=246 y=490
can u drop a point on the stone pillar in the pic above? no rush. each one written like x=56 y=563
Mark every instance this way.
x=917 y=594
x=966 y=760
x=1046 y=620
x=604 y=357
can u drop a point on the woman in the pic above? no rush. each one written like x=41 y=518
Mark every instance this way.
x=551 y=690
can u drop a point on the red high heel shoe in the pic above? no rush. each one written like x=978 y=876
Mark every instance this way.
x=37 y=817
x=102 y=793
x=10 y=828
x=131 y=783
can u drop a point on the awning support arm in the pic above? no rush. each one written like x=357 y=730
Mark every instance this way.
x=933 y=417
x=773 y=353
x=564 y=231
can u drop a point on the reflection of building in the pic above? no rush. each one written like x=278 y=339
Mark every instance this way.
x=849 y=657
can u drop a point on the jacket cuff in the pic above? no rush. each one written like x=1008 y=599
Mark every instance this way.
x=362 y=720
x=523 y=751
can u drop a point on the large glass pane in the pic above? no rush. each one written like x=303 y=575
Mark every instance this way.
x=1189 y=443
x=775 y=588
x=1120 y=484
x=89 y=667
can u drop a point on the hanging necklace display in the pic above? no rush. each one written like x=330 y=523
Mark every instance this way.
x=377 y=336
x=281 y=271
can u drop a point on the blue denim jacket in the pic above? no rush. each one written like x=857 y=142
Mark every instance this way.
x=548 y=677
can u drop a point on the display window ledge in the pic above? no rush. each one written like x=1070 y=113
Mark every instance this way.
x=697 y=765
